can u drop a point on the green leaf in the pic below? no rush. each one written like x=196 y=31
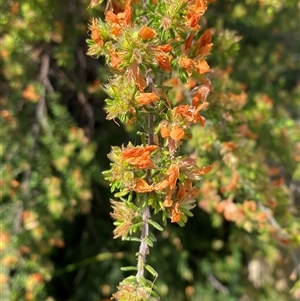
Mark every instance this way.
x=129 y=268
x=121 y=193
x=155 y=225
x=149 y=242
x=151 y=270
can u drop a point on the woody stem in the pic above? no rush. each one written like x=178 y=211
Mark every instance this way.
x=143 y=251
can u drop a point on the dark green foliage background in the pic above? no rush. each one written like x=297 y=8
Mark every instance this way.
x=55 y=150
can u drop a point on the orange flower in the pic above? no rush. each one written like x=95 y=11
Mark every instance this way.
x=202 y=67
x=164 y=48
x=176 y=214
x=188 y=42
x=187 y=64
x=189 y=114
x=204 y=45
x=168 y=201
x=228 y=147
x=139 y=156
x=141 y=186
x=146 y=98
x=204 y=170
x=251 y=205
x=115 y=59
x=138 y=76
x=200 y=6
x=177 y=133
x=163 y=61
x=95 y=34
x=205 y=38
x=112 y=18
x=164 y=131
x=161 y=185
x=30 y=94
x=147 y=33
x=125 y=16
x=173 y=173
x=193 y=19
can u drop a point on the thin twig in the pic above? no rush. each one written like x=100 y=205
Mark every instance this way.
x=144 y=249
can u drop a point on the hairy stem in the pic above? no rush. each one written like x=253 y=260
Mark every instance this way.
x=144 y=250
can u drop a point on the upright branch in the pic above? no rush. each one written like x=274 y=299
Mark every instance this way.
x=160 y=38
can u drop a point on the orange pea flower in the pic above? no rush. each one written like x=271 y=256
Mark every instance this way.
x=189 y=113
x=139 y=156
x=204 y=170
x=173 y=173
x=141 y=186
x=202 y=67
x=161 y=185
x=187 y=64
x=204 y=44
x=163 y=61
x=138 y=76
x=193 y=19
x=146 y=98
x=164 y=48
x=176 y=214
x=147 y=33
x=168 y=201
x=177 y=133
x=164 y=130
x=95 y=34
x=188 y=42
x=200 y=6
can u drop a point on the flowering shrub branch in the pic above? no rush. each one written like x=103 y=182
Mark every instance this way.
x=157 y=54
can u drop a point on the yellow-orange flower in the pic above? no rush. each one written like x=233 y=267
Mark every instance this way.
x=147 y=33
x=146 y=98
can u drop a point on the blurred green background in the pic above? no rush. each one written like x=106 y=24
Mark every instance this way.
x=56 y=230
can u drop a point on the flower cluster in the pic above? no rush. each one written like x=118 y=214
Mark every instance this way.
x=155 y=53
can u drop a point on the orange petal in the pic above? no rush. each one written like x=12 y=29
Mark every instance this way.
x=147 y=33
x=163 y=62
x=142 y=186
x=202 y=67
x=164 y=48
x=177 y=133
x=205 y=38
x=205 y=170
x=146 y=98
x=111 y=17
x=95 y=34
x=173 y=173
x=188 y=42
x=161 y=185
x=138 y=76
x=168 y=202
